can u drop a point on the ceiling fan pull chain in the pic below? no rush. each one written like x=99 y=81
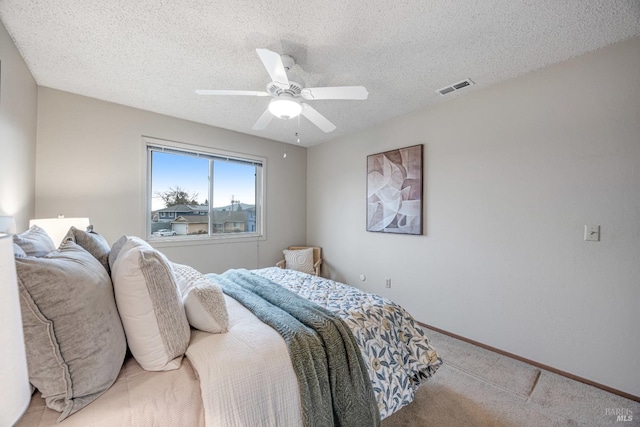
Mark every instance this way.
x=284 y=140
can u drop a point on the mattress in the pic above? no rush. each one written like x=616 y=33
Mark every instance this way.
x=138 y=398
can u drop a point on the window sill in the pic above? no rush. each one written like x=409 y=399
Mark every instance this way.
x=178 y=241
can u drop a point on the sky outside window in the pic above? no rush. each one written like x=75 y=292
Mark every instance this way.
x=231 y=180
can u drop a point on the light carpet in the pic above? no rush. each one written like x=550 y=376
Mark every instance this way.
x=477 y=387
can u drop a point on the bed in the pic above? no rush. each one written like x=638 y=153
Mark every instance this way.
x=245 y=376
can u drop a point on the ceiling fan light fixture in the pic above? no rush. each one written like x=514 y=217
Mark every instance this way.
x=285 y=108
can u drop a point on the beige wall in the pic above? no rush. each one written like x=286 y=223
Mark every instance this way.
x=90 y=163
x=18 y=107
x=513 y=173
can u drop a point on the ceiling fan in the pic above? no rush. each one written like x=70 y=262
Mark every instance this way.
x=287 y=91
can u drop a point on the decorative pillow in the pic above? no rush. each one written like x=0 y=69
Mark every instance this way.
x=150 y=306
x=74 y=339
x=203 y=300
x=299 y=259
x=18 y=252
x=92 y=242
x=116 y=247
x=35 y=242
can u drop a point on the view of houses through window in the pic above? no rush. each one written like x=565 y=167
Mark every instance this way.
x=184 y=201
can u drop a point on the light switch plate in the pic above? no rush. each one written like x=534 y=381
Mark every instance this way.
x=592 y=233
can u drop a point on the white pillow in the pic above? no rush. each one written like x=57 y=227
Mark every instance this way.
x=299 y=259
x=203 y=300
x=150 y=306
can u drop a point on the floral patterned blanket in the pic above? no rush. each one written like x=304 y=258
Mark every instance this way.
x=395 y=349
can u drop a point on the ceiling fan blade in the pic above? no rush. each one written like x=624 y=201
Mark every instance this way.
x=317 y=118
x=273 y=63
x=263 y=121
x=231 y=92
x=338 y=92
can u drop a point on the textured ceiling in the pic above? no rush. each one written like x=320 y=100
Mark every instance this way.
x=153 y=54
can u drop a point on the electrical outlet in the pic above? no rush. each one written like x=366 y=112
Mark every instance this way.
x=387 y=283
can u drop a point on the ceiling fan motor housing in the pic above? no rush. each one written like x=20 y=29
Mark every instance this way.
x=294 y=88
x=287 y=61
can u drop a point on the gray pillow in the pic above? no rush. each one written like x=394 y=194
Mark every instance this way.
x=92 y=242
x=18 y=252
x=34 y=242
x=74 y=339
x=116 y=248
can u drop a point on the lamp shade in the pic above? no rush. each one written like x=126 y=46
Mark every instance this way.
x=7 y=224
x=15 y=391
x=57 y=228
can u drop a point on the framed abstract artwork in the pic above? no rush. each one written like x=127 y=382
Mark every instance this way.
x=394 y=191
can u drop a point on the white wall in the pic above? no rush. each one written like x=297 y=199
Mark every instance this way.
x=18 y=108
x=90 y=163
x=513 y=173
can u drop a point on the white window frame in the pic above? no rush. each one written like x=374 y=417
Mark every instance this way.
x=210 y=238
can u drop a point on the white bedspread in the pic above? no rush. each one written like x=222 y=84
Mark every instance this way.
x=246 y=376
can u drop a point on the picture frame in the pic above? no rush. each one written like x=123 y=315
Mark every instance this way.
x=394 y=191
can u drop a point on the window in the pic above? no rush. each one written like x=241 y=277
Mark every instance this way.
x=199 y=193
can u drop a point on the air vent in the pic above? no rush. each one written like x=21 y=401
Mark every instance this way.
x=455 y=87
